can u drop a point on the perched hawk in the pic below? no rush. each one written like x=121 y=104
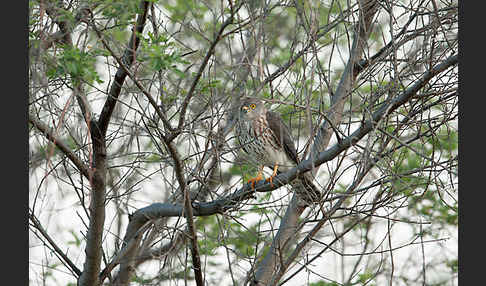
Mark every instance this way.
x=266 y=139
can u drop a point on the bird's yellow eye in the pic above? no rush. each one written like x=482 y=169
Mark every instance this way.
x=252 y=106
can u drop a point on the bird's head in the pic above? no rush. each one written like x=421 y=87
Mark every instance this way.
x=251 y=108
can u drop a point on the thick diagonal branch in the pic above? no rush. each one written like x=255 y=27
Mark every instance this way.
x=120 y=76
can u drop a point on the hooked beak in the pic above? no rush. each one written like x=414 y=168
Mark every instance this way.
x=245 y=108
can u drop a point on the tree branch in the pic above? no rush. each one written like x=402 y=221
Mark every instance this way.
x=196 y=260
x=66 y=28
x=122 y=65
x=36 y=223
x=370 y=124
x=83 y=168
x=128 y=58
x=94 y=235
x=199 y=73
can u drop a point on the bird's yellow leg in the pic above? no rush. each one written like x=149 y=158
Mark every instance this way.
x=270 y=179
x=254 y=180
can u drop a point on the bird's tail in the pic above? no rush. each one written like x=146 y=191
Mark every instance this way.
x=306 y=189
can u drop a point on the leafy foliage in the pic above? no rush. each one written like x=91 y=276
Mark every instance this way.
x=161 y=54
x=73 y=62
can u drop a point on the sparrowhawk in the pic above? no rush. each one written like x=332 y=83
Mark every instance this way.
x=267 y=141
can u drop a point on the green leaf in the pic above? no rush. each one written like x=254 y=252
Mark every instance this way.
x=154 y=158
x=76 y=241
x=323 y=283
x=75 y=63
x=453 y=264
x=160 y=53
x=365 y=277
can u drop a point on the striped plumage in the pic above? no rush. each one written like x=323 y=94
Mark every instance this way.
x=260 y=142
x=266 y=139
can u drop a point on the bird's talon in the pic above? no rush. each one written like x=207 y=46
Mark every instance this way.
x=253 y=181
x=270 y=179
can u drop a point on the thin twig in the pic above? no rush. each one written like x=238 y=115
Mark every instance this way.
x=200 y=71
x=36 y=223
x=82 y=167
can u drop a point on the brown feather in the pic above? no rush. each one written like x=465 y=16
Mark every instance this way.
x=254 y=138
x=282 y=134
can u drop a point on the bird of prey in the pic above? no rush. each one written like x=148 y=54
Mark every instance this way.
x=267 y=141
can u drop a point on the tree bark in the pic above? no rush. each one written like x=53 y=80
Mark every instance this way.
x=94 y=236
